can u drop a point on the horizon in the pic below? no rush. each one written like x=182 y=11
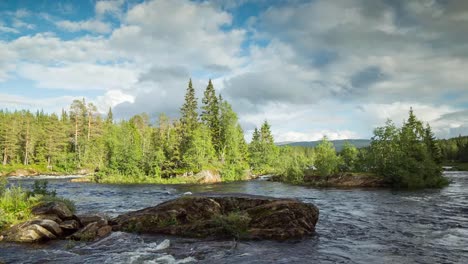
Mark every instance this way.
x=291 y=63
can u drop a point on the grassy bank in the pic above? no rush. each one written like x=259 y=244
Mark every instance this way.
x=35 y=169
x=16 y=202
x=124 y=179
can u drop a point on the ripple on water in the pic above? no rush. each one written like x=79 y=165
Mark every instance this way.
x=355 y=226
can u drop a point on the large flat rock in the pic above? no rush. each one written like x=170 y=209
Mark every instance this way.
x=224 y=215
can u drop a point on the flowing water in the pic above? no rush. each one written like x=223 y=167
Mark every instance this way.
x=355 y=226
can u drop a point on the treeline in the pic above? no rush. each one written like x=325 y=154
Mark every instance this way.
x=455 y=149
x=205 y=138
x=405 y=157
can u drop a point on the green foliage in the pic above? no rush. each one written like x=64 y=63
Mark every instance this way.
x=407 y=157
x=262 y=150
x=235 y=224
x=16 y=202
x=293 y=162
x=349 y=155
x=40 y=188
x=326 y=160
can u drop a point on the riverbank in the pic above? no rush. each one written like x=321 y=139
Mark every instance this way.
x=341 y=180
x=456 y=166
x=36 y=170
x=346 y=180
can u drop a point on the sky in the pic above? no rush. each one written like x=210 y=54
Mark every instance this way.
x=309 y=67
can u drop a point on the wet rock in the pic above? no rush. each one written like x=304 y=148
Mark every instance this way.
x=28 y=233
x=90 y=218
x=70 y=225
x=92 y=231
x=103 y=231
x=53 y=208
x=232 y=215
x=49 y=217
x=208 y=176
x=50 y=225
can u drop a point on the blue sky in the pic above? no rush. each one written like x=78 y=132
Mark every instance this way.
x=310 y=67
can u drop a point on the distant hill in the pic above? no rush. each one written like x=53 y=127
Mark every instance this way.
x=359 y=143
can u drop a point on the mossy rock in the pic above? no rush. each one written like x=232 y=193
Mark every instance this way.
x=222 y=216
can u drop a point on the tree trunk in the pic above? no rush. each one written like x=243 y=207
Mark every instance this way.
x=76 y=134
x=5 y=156
x=26 y=146
x=89 y=125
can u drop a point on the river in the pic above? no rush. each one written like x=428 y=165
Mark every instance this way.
x=355 y=226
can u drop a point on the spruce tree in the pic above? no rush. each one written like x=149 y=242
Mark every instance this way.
x=189 y=115
x=211 y=115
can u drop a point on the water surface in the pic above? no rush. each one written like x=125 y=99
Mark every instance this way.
x=355 y=226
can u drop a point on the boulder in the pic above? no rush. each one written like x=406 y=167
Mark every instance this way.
x=50 y=225
x=92 y=231
x=221 y=215
x=208 y=176
x=28 y=233
x=52 y=217
x=90 y=218
x=53 y=208
x=70 y=225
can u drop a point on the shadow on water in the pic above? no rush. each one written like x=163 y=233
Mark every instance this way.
x=355 y=226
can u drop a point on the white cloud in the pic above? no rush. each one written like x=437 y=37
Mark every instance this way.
x=50 y=105
x=181 y=32
x=112 y=98
x=112 y=7
x=314 y=135
x=80 y=76
x=7 y=29
x=85 y=25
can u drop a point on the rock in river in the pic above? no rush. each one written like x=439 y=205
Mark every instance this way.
x=231 y=215
x=53 y=208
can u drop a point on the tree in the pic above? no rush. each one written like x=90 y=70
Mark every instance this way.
x=406 y=157
x=326 y=160
x=78 y=113
x=189 y=115
x=262 y=150
x=211 y=115
x=349 y=154
x=233 y=149
x=9 y=137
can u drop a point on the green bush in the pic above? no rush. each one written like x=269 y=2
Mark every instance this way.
x=16 y=202
x=234 y=224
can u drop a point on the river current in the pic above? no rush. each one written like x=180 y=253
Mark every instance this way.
x=355 y=226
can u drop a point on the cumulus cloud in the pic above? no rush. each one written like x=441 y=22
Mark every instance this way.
x=310 y=68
